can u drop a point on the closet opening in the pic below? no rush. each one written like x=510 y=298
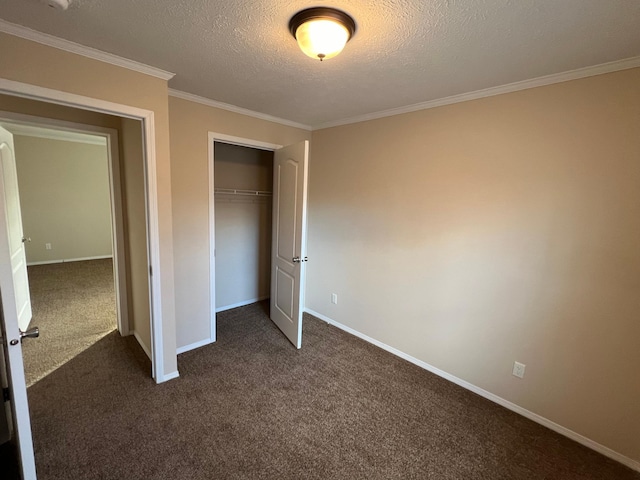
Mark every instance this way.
x=243 y=189
x=257 y=229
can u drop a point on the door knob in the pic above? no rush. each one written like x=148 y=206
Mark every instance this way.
x=31 y=333
x=299 y=260
x=26 y=239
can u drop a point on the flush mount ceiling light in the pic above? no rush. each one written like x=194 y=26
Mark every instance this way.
x=322 y=32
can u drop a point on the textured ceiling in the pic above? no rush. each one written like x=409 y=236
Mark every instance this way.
x=404 y=52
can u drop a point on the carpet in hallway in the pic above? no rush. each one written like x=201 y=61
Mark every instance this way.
x=74 y=306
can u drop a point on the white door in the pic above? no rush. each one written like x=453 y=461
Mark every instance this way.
x=13 y=222
x=16 y=304
x=288 y=251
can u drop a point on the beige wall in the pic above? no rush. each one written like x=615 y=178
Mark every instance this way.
x=501 y=229
x=137 y=251
x=64 y=198
x=243 y=225
x=32 y=63
x=190 y=124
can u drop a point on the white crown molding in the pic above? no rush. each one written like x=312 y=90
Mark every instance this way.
x=53 y=134
x=72 y=47
x=610 y=67
x=232 y=108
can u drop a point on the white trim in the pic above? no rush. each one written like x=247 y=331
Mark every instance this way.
x=110 y=137
x=303 y=239
x=118 y=234
x=58 y=97
x=193 y=346
x=242 y=142
x=609 y=67
x=53 y=134
x=232 y=108
x=153 y=239
x=241 y=304
x=142 y=344
x=170 y=376
x=147 y=116
x=606 y=451
x=213 y=137
x=67 y=260
x=72 y=47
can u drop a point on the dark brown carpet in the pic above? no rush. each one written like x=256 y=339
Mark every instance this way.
x=74 y=306
x=252 y=407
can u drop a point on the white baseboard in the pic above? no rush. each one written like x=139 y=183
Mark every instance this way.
x=606 y=451
x=66 y=260
x=193 y=346
x=241 y=304
x=146 y=349
x=168 y=376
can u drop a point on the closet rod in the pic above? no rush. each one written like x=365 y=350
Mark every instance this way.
x=235 y=191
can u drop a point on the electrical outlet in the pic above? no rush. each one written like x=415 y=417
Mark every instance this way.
x=47 y=246
x=334 y=298
x=518 y=369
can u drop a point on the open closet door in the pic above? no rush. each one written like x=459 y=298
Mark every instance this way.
x=16 y=304
x=290 y=166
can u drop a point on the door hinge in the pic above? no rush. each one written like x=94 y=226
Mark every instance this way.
x=6 y=395
x=150 y=270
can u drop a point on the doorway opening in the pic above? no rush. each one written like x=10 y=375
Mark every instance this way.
x=243 y=196
x=137 y=129
x=71 y=221
x=261 y=194
x=138 y=125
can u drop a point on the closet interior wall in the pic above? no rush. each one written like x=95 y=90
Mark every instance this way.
x=243 y=180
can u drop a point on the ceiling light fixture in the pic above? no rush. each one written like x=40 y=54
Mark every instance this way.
x=322 y=32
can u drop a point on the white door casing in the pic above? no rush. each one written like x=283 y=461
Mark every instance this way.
x=16 y=305
x=288 y=314
x=161 y=349
x=288 y=257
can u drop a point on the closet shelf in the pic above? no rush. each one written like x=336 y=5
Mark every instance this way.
x=249 y=193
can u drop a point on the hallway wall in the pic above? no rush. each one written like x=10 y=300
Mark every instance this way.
x=64 y=198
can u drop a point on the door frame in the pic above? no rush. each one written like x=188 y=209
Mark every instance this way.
x=147 y=117
x=232 y=140
x=115 y=203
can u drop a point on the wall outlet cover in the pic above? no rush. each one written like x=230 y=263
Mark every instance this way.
x=518 y=369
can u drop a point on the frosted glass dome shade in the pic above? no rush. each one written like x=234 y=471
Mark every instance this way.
x=322 y=32
x=322 y=38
